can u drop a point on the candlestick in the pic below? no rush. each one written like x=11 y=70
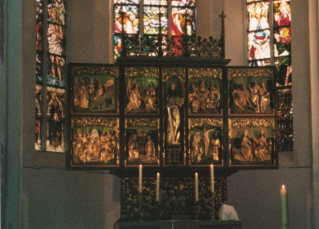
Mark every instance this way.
x=157 y=186
x=212 y=183
x=196 y=186
x=284 y=212
x=212 y=178
x=140 y=179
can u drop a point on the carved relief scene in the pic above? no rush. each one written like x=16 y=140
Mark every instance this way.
x=95 y=89
x=251 y=141
x=204 y=90
x=251 y=91
x=95 y=141
x=142 y=141
x=205 y=141
x=141 y=90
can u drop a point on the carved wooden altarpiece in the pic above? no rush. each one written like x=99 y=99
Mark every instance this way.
x=175 y=116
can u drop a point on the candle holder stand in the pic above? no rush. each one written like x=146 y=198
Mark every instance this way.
x=157 y=210
x=196 y=209
x=140 y=207
x=213 y=206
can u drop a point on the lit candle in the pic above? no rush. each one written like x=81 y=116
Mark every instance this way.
x=196 y=186
x=284 y=212
x=140 y=179
x=212 y=178
x=157 y=186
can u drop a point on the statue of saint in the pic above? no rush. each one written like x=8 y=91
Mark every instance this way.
x=173 y=103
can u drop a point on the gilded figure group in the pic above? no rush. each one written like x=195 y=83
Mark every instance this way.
x=203 y=98
x=253 y=149
x=94 y=146
x=94 y=95
x=254 y=98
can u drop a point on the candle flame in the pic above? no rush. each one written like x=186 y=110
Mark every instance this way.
x=283 y=186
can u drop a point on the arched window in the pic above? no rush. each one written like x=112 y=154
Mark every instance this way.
x=269 y=43
x=50 y=75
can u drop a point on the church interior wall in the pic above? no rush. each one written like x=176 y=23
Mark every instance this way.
x=52 y=197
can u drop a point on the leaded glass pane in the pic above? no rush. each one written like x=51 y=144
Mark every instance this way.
x=38 y=117
x=259 y=33
x=183 y=18
x=55 y=104
x=282 y=42
x=39 y=73
x=38 y=101
x=155 y=2
x=285 y=119
x=282 y=30
x=126 y=19
x=284 y=71
x=51 y=124
x=55 y=137
x=56 y=43
x=39 y=41
x=55 y=119
x=126 y=1
x=155 y=20
x=184 y=3
x=38 y=139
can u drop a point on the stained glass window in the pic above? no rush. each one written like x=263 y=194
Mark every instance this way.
x=39 y=74
x=39 y=41
x=152 y=23
x=269 y=43
x=126 y=22
x=282 y=42
x=56 y=43
x=50 y=90
x=258 y=33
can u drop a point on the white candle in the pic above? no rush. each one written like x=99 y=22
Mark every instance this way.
x=140 y=179
x=196 y=186
x=212 y=179
x=157 y=186
x=284 y=211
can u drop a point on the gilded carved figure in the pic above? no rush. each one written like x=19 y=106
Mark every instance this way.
x=245 y=151
x=260 y=148
x=173 y=103
x=197 y=147
x=215 y=147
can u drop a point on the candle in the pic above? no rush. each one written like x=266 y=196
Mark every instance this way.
x=157 y=186
x=212 y=178
x=196 y=186
x=140 y=179
x=284 y=212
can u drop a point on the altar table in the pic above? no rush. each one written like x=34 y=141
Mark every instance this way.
x=180 y=224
